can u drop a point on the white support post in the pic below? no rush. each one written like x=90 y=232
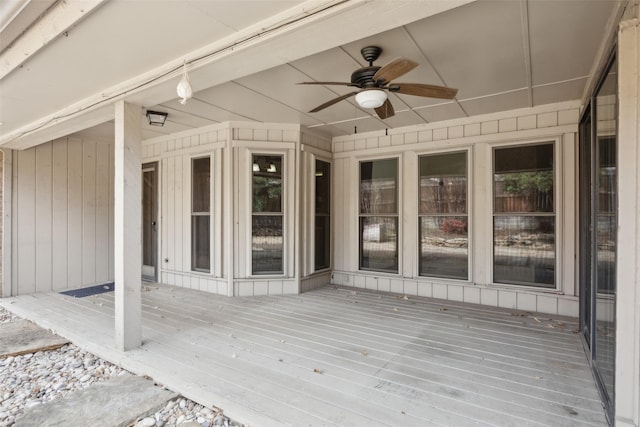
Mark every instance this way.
x=127 y=226
x=627 y=373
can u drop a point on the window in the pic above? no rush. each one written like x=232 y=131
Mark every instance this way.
x=200 y=214
x=323 y=218
x=267 y=242
x=443 y=216
x=524 y=241
x=379 y=215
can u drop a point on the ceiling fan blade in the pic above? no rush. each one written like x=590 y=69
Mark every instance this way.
x=327 y=83
x=385 y=110
x=333 y=101
x=394 y=69
x=429 y=91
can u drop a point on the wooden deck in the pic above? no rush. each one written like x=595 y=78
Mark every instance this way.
x=335 y=356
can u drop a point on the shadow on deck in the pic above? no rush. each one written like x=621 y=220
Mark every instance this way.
x=337 y=356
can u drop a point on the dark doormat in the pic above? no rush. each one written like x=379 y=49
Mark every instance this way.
x=91 y=290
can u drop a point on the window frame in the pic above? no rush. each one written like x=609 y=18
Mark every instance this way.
x=557 y=213
x=469 y=213
x=208 y=214
x=397 y=215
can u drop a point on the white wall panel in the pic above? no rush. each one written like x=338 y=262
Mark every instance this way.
x=339 y=213
x=63 y=215
x=74 y=216
x=60 y=238
x=169 y=214
x=26 y=221
x=43 y=216
x=110 y=221
x=103 y=201
x=88 y=213
x=179 y=203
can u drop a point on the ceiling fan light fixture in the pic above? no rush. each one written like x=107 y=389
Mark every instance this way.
x=372 y=98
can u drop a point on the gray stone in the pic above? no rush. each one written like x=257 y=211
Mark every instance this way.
x=146 y=422
x=220 y=420
x=24 y=337
x=113 y=403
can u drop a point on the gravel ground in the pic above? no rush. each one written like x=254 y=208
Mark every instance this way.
x=32 y=379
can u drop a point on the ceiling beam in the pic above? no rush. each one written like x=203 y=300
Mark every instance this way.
x=56 y=20
x=526 y=41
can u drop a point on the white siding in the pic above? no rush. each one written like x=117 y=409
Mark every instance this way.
x=174 y=154
x=74 y=216
x=25 y=219
x=43 y=217
x=230 y=146
x=62 y=215
x=59 y=215
x=478 y=135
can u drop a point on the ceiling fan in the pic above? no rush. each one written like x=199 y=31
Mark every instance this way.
x=373 y=81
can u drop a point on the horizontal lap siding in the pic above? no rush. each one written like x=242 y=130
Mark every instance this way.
x=64 y=205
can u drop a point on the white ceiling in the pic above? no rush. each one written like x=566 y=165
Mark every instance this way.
x=501 y=55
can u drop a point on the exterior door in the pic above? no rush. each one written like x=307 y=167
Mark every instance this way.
x=150 y=221
x=598 y=233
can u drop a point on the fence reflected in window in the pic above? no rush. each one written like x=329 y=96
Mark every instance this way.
x=444 y=244
x=524 y=242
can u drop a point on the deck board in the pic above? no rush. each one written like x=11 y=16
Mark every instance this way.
x=336 y=356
